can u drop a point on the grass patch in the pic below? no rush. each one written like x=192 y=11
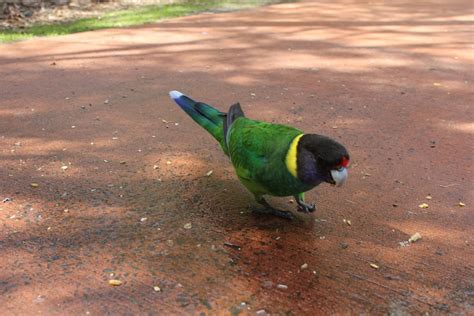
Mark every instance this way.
x=124 y=18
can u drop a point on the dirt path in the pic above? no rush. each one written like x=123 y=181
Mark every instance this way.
x=120 y=169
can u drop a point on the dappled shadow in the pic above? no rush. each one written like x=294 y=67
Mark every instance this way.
x=377 y=77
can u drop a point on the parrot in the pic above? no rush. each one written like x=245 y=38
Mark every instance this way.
x=271 y=159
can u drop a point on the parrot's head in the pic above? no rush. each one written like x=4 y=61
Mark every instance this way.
x=321 y=159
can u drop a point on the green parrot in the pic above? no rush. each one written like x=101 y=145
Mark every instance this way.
x=271 y=159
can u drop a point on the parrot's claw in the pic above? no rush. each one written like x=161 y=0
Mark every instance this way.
x=268 y=209
x=306 y=207
x=274 y=212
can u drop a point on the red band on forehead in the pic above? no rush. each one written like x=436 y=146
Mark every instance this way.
x=345 y=162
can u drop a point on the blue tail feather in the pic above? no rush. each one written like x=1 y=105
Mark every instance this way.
x=205 y=115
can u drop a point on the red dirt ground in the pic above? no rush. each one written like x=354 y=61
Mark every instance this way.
x=391 y=80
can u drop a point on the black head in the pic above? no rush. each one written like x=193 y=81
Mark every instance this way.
x=321 y=159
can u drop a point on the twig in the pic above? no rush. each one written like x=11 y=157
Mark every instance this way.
x=448 y=185
x=388 y=288
x=231 y=245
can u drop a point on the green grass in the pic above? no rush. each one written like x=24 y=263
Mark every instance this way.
x=124 y=18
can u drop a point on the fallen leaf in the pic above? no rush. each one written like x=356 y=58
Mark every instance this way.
x=115 y=282
x=414 y=237
x=373 y=265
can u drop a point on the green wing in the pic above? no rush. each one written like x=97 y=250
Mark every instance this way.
x=257 y=151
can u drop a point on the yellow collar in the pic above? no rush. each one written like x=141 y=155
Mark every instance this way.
x=290 y=159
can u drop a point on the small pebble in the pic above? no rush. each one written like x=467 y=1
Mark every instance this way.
x=143 y=219
x=404 y=243
x=423 y=205
x=209 y=173
x=261 y=312
x=282 y=286
x=188 y=226
x=34 y=185
x=373 y=265
x=428 y=197
x=461 y=204
x=304 y=266
x=156 y=288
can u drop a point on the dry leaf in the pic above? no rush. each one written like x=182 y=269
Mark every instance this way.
x=415 y=237
x=373 y=265
x=115 y=282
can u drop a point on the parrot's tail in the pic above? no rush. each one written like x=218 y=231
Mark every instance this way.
x=205 y=115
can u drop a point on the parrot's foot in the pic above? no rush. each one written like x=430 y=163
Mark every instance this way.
x=305 y=207
x=270 y=210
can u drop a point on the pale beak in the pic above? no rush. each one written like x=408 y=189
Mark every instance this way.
x=339 y=176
